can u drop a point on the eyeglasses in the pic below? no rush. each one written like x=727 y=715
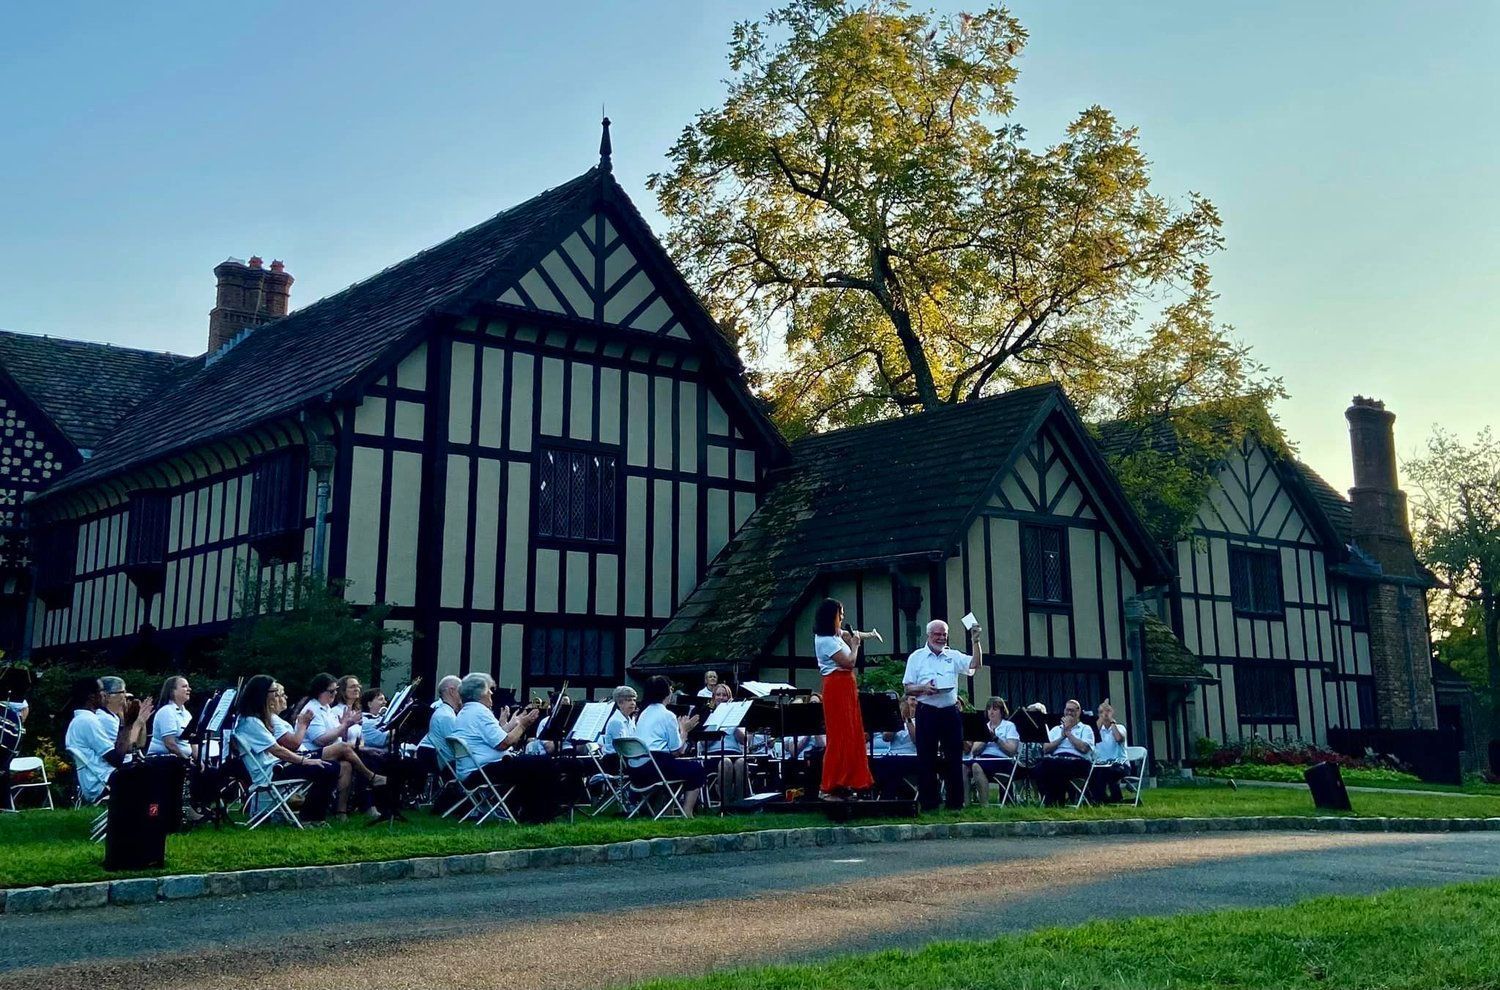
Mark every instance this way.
x=109 y=694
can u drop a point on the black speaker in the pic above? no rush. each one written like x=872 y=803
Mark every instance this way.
x=145 y=803
x=1327 y=786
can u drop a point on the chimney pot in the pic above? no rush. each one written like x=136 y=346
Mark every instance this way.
x=277 y=266
x=1373 y=444
x=248 y=295
x=255 y=261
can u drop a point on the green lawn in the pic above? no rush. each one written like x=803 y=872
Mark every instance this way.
x=41 y=847
x=1353 y=777
x=1437 y=937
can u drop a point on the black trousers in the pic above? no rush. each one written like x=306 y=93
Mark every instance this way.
x=940 y=728
x=325 y=781
x=1052 y=774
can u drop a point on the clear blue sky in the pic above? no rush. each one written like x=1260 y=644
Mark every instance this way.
x=1350 y=147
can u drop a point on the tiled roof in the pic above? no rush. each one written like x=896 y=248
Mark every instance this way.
x=900 y=488
x=1166 y=658
x=1334 y=506
x=84 y=387
x=325 y=347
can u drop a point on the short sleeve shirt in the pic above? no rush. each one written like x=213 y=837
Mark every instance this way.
x=1069 y=748
x=168 y=721
x=440 y=728
x=323 y=721
x=826 y=648
x=942 y=669
x=1108 y=750
x=253 y=737
x=1005 y=730
x=617 y=726
x=657 y=728
x=89 y=739
x=480 y=731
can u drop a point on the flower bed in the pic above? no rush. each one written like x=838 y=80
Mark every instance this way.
x=1292 y=774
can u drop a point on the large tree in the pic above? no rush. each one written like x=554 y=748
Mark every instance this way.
x=1456 y=511
x=862 y=213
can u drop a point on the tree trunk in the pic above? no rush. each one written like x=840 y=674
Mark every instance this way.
x=916 y=357
x=1492 y=660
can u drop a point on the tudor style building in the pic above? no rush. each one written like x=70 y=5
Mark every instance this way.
x=529 y=439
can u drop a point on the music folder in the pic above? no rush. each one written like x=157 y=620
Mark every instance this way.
x=589 y=725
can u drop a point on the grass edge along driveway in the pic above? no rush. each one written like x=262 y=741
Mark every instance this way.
x=49 y=847
x=1424 y=937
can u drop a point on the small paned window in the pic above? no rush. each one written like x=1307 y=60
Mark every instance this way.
x=1255 y=582
x=278 y=503
x=146 y=534
x=574 y=653
x=576 y=495
x=1359 y=607
x=1043 y=565
x=1364 y=698
x=56 y=553
x=1265 y=694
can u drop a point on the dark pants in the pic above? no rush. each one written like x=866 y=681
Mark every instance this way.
x=536 y=783
x=325 y=781
x=940 y=728
x=1053 y=773
x=1104 y=785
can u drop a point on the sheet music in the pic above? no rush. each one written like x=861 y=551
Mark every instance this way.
x=395 y=706
x=728 y=715
x=222 y=710
x=969 y=621
x=762 y=688
x=591 y=721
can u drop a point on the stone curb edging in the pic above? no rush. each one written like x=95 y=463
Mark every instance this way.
x=144 y=890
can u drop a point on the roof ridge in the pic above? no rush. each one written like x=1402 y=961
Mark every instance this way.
x=947 y=408
x=27 y=335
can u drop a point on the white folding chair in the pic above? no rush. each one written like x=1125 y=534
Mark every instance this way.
x=486 y=797
x=657 y=785
x=1006 y=780
x=1083 y=788
x=267 y=797
x=614 y=787
x=1135 y=771
x=448 y=774
x=101 y=821
x=28 y=765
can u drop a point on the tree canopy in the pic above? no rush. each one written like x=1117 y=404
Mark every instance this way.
x=881 y=238
x=1456 y=516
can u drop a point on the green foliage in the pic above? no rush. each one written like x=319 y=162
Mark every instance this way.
x=863 y=215
x=1456 y=527
x=299 y=627
x=883 y=674
x=1458 y=636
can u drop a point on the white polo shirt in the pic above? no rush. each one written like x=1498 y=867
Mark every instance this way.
x=168 y=721
x=1107 y=750
x=1069 y=747
x=89 y=738
x=1005 y=730
x=657 y=728
x=617 y=726
x=942 y=669
x=440 y=728
x=323 y=721
x=258 y=740
x=372 y=733
x=901 y=744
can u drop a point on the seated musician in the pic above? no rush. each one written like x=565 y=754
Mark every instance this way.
x=621 y=720
x=663 y=733
x=259 y=729
x=113 y=700
x=347 y=697
x=1065 y=755
x=322 y=735
x=710 y=682
x=729 y=751
x=895 y=759
x=99 y=745
x=372 y=703
x=495 y=751
x=993 y=758
x=171 y=720
x=434 y=746
x=1109 y=757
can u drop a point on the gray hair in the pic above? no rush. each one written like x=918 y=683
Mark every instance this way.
x=111 y=685
x=473 y=685
x=934 y=624
x=624 y=693
x=449 y=683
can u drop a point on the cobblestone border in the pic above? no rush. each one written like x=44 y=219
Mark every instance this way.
x=143 y=890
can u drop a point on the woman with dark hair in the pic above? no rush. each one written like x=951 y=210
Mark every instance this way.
x=993 y=758
x=324 y=734
x=257 y=730
x=663 y=733
x=846 y=768
x=172 y=719
x=346 y=697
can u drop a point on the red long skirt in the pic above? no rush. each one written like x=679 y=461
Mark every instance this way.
x=845 y=765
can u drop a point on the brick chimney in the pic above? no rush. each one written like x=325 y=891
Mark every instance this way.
x=248 y=295
x=1400 y=650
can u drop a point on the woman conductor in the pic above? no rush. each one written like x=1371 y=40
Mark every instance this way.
x=845 y=766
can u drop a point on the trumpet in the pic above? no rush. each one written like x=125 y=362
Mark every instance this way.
x=863 y=635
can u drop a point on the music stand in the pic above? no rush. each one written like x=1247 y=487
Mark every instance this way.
x=395 y=717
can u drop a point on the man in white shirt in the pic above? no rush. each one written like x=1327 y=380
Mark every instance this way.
x=89 y=739
x=931 y=677
x=1066 y=755
x=440 y=726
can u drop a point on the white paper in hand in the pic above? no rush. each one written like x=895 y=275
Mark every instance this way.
x=969 y=621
